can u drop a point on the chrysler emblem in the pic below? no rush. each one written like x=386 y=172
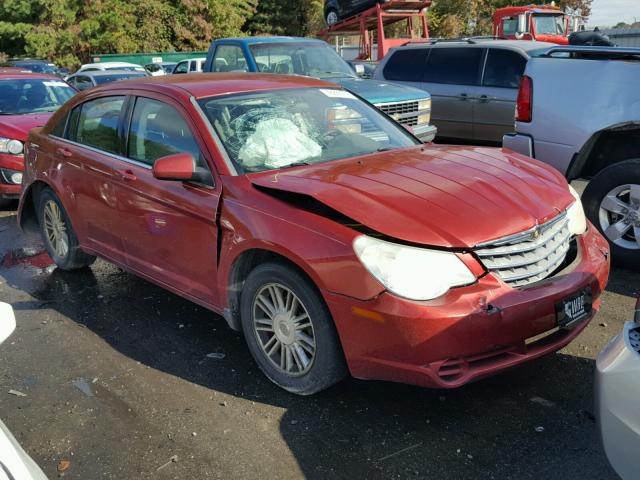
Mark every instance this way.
x=536 y=234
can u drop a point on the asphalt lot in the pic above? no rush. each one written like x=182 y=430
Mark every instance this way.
x=118 y=382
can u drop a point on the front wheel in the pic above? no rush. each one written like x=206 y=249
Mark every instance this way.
x=612 y=204
x=57 y=233
x=289 y=330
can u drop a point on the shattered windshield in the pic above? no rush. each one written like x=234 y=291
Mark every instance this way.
x=22 y=96
x=285 y=128
x=309 y=59
x=549 y=24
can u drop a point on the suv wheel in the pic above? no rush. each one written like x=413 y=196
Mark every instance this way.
x=612 y=203
x=57 y=233
x=289 y=330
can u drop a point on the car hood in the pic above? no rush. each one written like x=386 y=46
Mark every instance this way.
x=375 y=91
x=455 y=197
x=18 y=126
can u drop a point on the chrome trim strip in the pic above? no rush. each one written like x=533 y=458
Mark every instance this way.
x=102 y=152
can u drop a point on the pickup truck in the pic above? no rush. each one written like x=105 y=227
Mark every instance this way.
x=578 y=110
x=315 y=58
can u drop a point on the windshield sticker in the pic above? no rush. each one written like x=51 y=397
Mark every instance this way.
x=55 y=83
x=336 y=93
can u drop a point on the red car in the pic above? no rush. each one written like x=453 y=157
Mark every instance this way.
x=27 y=100
x=321 y=228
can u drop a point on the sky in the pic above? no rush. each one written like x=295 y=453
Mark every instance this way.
x=606 y=13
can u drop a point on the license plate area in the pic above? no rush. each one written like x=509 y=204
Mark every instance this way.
x=574 y=308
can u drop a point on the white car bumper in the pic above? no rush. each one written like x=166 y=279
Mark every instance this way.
x=618 y=401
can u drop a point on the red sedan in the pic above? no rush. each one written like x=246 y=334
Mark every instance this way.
x=318 y=226
x=26 y=101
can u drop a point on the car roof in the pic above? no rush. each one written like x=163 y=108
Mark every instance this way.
x=255 y=40
x=212 y=84
x=106 y=73
x=523 y=45
x=110 y=64
x=6 y=74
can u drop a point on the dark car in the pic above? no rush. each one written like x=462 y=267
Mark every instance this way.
x=336 y=10
x=84 y=80
x=35 y=65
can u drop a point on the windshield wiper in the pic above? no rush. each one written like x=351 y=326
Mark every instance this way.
x=296 y=164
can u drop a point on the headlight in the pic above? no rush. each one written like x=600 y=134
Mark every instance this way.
x=424 y=104
x=411 y=272
x=8 y=145
x=575 y=214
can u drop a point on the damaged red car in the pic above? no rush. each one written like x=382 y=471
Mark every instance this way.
x=26 y=101
x=322 y=229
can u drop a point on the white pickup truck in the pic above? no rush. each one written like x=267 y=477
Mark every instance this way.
x=578 y=110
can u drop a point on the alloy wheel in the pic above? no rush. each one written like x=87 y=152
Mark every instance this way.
x=619 y=216
x=284 y=329
x=56 y=229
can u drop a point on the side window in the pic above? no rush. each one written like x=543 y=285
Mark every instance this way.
x=509 y=26
x=82 y=83
x=456 y=66
x=58 y=129
x=406 y=65
x=503 y=68
x=158 y=130
x=228 y=58
x=97 y=124
x=182 y=67
x=193 y=66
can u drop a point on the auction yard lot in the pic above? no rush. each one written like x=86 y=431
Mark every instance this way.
x=126 y=380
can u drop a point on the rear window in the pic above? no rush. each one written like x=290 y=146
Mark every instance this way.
x=457 y=66
x=503 y=68
x=100 y=79
x=405 y=65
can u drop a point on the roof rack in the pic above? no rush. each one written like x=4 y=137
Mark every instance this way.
x=594 y=52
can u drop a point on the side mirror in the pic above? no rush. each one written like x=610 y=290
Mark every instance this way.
x=7 y=321
x=181 y=167
x=523 y=26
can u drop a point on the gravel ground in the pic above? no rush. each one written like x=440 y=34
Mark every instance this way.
x=118 y=382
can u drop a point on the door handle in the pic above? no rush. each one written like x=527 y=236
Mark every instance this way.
x=486 y=98
x=127 y=175
x=464 y=97
x=64 y=152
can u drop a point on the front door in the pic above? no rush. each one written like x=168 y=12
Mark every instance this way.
x=168 y=227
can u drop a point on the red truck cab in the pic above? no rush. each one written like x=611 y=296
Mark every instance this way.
x=545 y=23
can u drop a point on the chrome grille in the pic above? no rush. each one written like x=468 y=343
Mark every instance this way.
x=404 y=112
x=528 y=257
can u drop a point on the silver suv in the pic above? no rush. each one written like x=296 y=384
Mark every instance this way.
x=473 y=82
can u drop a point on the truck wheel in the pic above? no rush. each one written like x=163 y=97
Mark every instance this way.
x=57 y=233
x=612 y=203
x=332 y=17
x=289 y=330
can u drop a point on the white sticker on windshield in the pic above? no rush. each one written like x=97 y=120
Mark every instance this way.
x=336 y=93
x=54 y=83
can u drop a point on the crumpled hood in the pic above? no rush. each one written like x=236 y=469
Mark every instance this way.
x=444 y=196
x=375 y=91
x=18 y=126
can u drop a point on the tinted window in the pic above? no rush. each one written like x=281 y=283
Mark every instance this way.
x=457 y=66
x=503 y=69
x=158 y=130
x=228 y=58
x=193 y=67
x=100 y=79
x=82 y=82
x=58 y=129
x=98 y=123
x=406 y=65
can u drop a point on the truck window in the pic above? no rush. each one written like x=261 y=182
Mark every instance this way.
x=509 y=26
x=312 y=59
x=404 y=65
x=548 y=24
x=456 y=66
x=503 y=68
x=229 y=58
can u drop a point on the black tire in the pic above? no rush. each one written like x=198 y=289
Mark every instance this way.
x=74 y=258
x=328 y=365
x=606 y=181
x=331 y=17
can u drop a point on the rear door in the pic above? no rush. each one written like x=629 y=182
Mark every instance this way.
x=89 y=150
x=452 y=77
x=494 y=111
x=168 y=227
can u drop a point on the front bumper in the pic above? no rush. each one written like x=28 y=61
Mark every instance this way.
x=617 y=402
x=10 y=163
x=426 y=133
x=469 y=333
